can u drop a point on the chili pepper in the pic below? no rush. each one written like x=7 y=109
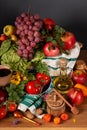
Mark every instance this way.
x=82 y=87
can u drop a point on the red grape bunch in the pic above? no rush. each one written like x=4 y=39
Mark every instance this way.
x=28 y=29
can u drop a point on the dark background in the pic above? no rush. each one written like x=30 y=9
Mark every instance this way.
x=69 y=14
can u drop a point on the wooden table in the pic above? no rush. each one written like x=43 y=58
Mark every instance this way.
x=76 y=122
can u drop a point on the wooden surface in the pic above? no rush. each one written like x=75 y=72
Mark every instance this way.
x=76 y=122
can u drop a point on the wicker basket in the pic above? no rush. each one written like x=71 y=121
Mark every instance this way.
x=55 y=105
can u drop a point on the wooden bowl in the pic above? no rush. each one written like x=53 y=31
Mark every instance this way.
x=5 y=75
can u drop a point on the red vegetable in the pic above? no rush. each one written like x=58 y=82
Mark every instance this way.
x=3 y=37
x=43 y=78
x=78 y=76
x=12 y=107
x=69 y=40
x=3 y=111
x=47 y=117
x=33 y=87
x=51 y=49
x=64 y=116
x=75 y=96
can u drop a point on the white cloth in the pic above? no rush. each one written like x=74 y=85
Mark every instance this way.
x=53 y=62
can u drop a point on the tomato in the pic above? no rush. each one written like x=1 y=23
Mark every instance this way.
x=49 y=23
x=33 y=87
x=3 y=37
x=3 y=112
x=43 y=78
x=47 y=117
x=75 y=96
x=78 y=76
x=64 y=116
x=51 y=49
x=12 y=107
x=69 y=40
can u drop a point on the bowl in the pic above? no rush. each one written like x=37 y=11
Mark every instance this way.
x=5 y=75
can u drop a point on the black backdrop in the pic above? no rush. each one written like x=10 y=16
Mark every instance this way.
x=69 y=14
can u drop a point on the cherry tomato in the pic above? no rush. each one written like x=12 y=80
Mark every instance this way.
x=43 y=78
x=3 y=37
x=64 y=116
x=12 y=107
x=3 y=112
x=47 y=117
x=69 y=40
x=33 y=87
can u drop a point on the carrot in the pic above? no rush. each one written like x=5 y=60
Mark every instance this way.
x=82 y=87
x=57 y=120
x=47 y=117
x=64 y=116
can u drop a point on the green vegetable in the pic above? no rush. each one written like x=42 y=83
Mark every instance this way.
x=16 y=92
x=42 y=67
x=5 y=46
x=39 y=55
x=8 y=55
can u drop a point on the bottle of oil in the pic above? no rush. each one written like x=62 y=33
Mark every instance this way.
x=63 y=82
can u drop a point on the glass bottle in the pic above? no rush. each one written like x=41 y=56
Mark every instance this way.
x=63 y=82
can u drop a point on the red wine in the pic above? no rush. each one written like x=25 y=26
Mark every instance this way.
x=4 y=72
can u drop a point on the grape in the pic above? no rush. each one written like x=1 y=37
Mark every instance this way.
x=19 y=52
x=30 y=38
x=29 y=48
x=37 y=39
x=25 y=51
x=22 y=47
x=24 y=40
x=35 y=28
x=25 y=55
x=28 y=30
x=20 y=43
x=33 y=44
x=23 y=15
x=30 y=33
x=28 y=22
x=36 y=34
x=18 y=32
x=30 y=27
x=36 y=16
x=30 y=56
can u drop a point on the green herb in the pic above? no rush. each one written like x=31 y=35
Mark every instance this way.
x=41 y=67
x=16 y=92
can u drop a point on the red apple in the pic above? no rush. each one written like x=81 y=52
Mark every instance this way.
x=48 y=23
x=75 y=96
x=51 y=49
x=69 y=40
x=78 y=76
